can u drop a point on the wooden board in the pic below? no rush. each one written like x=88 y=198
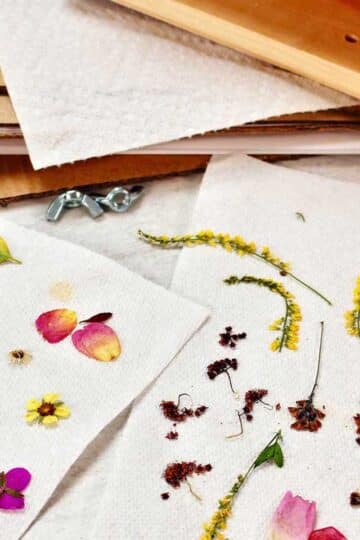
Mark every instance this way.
x=19 y=181
x=317 y=39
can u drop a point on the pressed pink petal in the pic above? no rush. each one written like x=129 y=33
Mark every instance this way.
x=329 y=533
x=18 y=479
x=7 y=502
x=294 y=519
x=97 y=340
x=56 y=325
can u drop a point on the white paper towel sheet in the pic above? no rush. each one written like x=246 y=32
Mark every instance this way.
x=95 y=391
x=243 y=196
x=89 y=78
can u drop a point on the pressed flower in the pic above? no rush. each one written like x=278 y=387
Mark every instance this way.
x=294 y=519
x=223 y=366
x=213 y=529
x=174 y=412
x=19 y=357
x=352 y=318
x=228 y=338
x=329 y=533
x=46 y=411
x=5 y=254
x=251 y=397
x=307 y=417
x=288 y=325
x=12 y=484
x=97 y=340
x=355 y=498
x=56 y=325
x=178 y=472
x=234 y=244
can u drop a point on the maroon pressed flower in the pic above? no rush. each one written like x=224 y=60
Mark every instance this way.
x=172 y=435
x=165 y=496
x=357 y=423
x=222 y=366
x=355 y=498
x=307 y=417
x=251 y=397
x=174 y=412
x=230 y=339
x=178 y=472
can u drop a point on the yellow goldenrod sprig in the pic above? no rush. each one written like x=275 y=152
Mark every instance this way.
x=234 y=244
x=352 y=318
x=288 y=325
x=213 y=530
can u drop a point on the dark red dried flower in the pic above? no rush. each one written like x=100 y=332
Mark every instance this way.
x=357 y=422
x=165 y=496
x=177 y=472
x=221 y=366
x=172 y=435
x=252 y=396
x=278 y=406
x=173 y=412
x=308 y=418
x=355 y=498
x=358 y=440
x=229 y=339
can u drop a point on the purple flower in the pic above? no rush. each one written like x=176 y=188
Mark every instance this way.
x=12 y=484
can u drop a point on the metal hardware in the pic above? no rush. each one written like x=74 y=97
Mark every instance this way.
x=118 y=200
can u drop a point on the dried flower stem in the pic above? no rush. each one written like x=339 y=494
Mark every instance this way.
x=192 y=491
x=218 y=522
x=232 y=244
x=287 y=325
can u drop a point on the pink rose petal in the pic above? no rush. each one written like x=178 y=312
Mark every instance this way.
x=294 y=519
x=97 y=340
x=329 y=533
x=7 y=502
x=18 y=479
x=56 y=325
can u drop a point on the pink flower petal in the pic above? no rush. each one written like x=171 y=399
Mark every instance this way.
x=329 y=533
x=7 y=502
x=294 y=519
x=56 y=325
x=18 y=479
x=97 y=341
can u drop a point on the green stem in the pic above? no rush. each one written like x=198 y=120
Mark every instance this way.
x=294 y=277
x=283 y=331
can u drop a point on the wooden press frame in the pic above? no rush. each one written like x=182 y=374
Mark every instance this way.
x=319 y=39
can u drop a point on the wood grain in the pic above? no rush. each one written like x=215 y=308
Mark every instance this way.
x=319 y=40
x=19 y=181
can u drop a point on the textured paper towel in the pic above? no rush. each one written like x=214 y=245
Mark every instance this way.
x=89 y=78
x=152 y=324
x=244 y=196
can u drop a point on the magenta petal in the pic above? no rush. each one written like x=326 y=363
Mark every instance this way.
x=329 y=533
x=97 y=340
x=294 y=519
x=18 y=479
x=56 y=325
x=7 y=502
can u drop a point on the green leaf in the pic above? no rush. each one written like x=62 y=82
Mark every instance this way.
x=5 y=254
x=266 y=455
x=278 y=455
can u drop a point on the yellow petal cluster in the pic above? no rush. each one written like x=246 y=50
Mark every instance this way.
x=288 y=325
x=218 y=521
x=46 y=411
x=352 y=318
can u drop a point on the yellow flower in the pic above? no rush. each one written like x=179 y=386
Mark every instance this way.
x=352 y=318
x=47 y=411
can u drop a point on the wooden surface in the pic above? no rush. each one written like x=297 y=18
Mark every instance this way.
x=317 y=39
x=19 y=181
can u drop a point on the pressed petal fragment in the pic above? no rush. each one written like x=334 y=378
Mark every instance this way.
x=32 y=416
x=97 y=341
x=7 y=502
x=294 y=519
x=62 y=411
x=32 y=404
x=329 y=533
x=51 y=398
x=18 y=478
x=49 y=420
x=56 y=325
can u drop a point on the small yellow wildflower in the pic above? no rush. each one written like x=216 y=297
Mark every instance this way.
x=47 y=411
x=352 y=318
x=287 y=325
